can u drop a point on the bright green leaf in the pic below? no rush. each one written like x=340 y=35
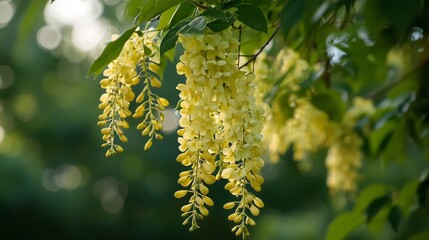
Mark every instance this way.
x=252 y=16
x=183 y=11
x=367 y=195
x=110 y=53
x=150 y=8
x=407 y=196
x=196 y=26
x=344 y=224
x=165 y=18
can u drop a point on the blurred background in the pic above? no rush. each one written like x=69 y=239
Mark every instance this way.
x=55 y=182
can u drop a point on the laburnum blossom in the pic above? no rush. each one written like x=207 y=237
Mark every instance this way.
x=139 y=59
x=150 y=105
x=344 y=155
x=120 y=76
x=197 y=136
x=221 y=126
x=307 y=128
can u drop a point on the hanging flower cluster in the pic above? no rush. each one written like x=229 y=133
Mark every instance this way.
x=344 y=154
x=307 y=128
x=221 y=128
x=138 y=61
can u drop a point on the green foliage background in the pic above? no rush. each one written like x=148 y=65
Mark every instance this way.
x=49 y=115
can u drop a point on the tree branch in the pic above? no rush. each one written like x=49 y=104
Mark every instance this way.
x=379 y=92
x=261 y=49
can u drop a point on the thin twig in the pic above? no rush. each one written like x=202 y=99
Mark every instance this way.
x=379 y=92
x=199 y=5
x=261 y=49
x=239 y=46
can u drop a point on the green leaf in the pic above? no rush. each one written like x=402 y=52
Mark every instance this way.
x=183 y=11
x=331 y=103
x=376 y=205
x=367 y=195
x=31 y=18
x=343 y=225
x=110 y=53
x=169 y=40
x=380 y=137
x=422 y=191
x=166 y=16
x=196 y=26
x=394 y=217
x=218 y=25
x=252 y=16
x=291 y=15
x=230 y=4
x=148 y=9
x=424 y=235
x=407 y=196
x=215 y=14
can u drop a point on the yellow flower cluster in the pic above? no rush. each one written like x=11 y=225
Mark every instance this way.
x=279 y=83
x=221 y=127
x=136 y=61
x=309 y=129
x=344 y=154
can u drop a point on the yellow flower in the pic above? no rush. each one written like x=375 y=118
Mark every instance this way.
x=221 y=120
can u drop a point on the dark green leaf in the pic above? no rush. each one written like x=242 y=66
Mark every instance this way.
x=376 y=205
x=331 y=103
x=252 y=16
x=231 y=4
x=183 y=11
x=110 y=53
x=343 y=225
x=394 y=217
x=150 y=8
x=368 y=194
x=291 y=15
x=215 y=13
x=218 y=25
x=380 y=137
x=422 y=191
x=424 y=235
x=147 y=51
x=196 y=26
x=31 y=16
x=169 y=40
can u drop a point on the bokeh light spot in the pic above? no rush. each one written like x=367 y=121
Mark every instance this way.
x=49 y=37
x=70 y=12
x=171 y=121
x=25 y=106
x=7 y=10
x=7 y=76
x=2 y=134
